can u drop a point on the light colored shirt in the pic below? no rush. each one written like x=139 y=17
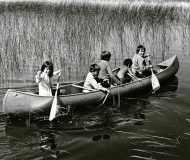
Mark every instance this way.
x=91 y=83
x=138 y=63
x=43 y=81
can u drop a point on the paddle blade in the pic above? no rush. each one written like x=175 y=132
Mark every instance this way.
x=54 y=108
x=155 y=82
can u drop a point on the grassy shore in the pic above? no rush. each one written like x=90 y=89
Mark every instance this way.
x=74 y=33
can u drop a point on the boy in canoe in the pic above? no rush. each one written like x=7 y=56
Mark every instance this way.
x=125 y=74
x=91 y=81
x=106 y=75
x=139 y=67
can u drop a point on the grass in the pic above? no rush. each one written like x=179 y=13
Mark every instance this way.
x=73 y=34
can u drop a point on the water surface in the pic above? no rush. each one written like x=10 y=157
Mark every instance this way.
x=145 y=126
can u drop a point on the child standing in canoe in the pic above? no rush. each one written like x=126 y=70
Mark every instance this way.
x=43 y=78
x=91 y=81
x=106 y=74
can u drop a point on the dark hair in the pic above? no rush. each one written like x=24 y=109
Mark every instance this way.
x=128 y=62
x=139 y=48
x=94 y=67
x=105 y=55
x=49 y=65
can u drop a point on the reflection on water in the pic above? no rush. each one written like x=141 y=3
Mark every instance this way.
x=98 y=137
x=47 y=144
x=170 y=85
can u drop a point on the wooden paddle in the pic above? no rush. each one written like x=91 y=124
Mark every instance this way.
x=54 y=107
x=139 y=79
x=154 y=79
x=92 y=90
x=105 y=98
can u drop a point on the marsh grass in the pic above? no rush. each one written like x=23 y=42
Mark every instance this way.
x=73 y=34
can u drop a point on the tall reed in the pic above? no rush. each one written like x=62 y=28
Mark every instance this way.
x=73 y=34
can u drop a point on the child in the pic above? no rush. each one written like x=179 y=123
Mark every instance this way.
x=43 y=78
x=92 y=78
x=106 y=73
x=139 y=67
x=125 y=74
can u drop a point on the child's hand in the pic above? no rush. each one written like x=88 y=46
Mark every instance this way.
x=108 y=91
x=38 y=77
x=147 y=55
x=60 y=72
x=119 y=83
x=150 y=66
x=38 y=73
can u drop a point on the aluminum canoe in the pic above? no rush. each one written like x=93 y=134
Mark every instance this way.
x=18 y=102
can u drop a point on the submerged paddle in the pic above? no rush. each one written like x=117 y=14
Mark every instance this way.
x=154 y=79
x=54 y=107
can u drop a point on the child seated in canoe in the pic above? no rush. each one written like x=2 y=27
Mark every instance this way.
x=106 y=75
x=91 y=81
x=125 y=74
x=43 y=78
x=139 y=67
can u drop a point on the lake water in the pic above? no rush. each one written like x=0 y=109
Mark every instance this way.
x=145 y=126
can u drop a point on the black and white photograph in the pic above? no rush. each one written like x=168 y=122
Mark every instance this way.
x=95 y=79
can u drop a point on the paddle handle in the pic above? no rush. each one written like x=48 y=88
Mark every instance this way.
x=149 y=60
x=57 y=87
x=84 y=87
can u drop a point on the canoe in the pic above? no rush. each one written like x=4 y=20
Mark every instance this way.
x=19 y=102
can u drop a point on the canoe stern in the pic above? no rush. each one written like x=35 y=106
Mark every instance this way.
x=16 y=102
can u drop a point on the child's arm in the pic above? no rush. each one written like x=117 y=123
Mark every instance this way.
x=133 y=76
x=38 y=77
x=147 y=55
x=57 y=72
x=95 y=85
x=112 y=75
x=142 y=65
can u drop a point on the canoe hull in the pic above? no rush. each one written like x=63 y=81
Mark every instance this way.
x=17 y=102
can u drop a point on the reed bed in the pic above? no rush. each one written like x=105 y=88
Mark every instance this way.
x=73 y=34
